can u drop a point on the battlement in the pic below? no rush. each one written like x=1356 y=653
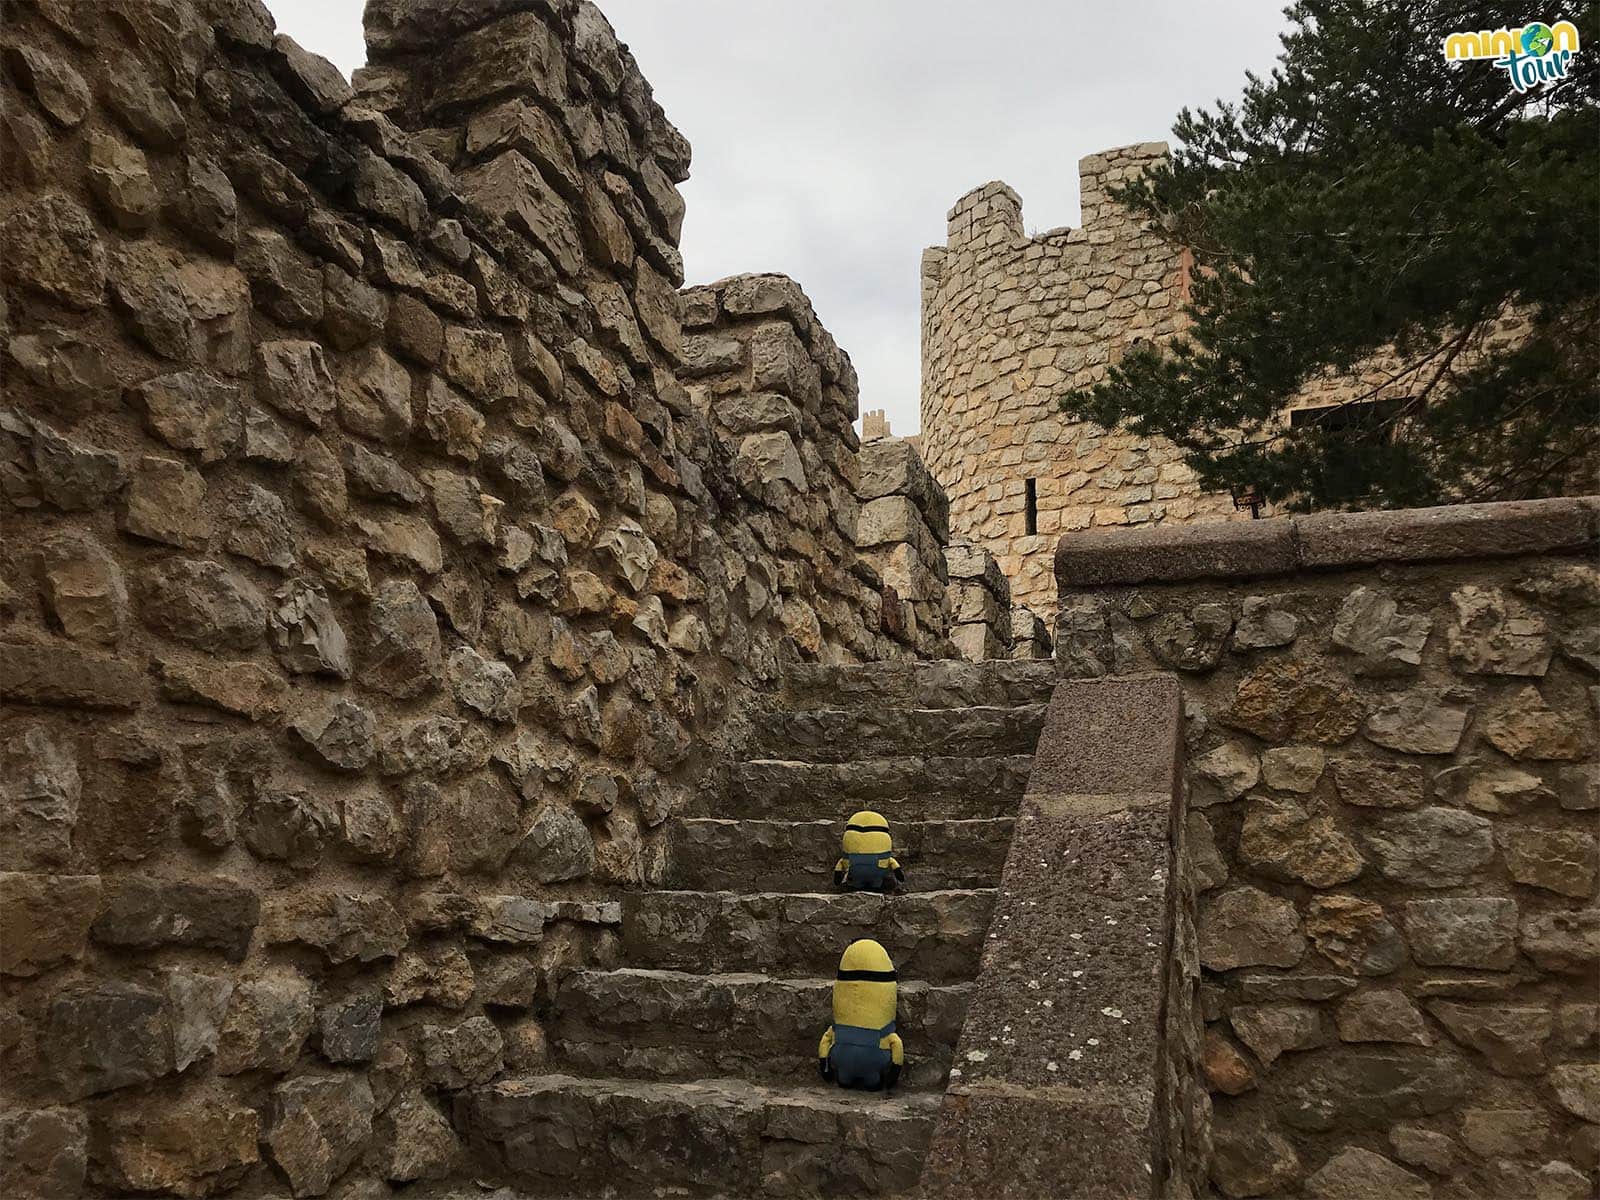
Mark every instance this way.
x=1009 y=322
x=990 y=216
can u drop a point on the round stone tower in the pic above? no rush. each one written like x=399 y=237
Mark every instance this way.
x=1009 y=323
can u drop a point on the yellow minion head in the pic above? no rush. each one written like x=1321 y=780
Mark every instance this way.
x=865 y=993
x=867 y=833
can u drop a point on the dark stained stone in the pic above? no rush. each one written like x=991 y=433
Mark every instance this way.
x=145 y=913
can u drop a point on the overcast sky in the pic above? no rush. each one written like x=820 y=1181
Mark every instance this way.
x=831 y=136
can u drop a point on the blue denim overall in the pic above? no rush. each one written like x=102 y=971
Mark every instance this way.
x=864 y=874
x=857 y=1059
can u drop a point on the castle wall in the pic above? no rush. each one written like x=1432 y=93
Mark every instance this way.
x=1009 y=323
x=1393 y=784
x=371 y=587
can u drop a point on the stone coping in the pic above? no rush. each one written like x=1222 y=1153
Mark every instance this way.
x=1325 y=542
x=1063 y=1041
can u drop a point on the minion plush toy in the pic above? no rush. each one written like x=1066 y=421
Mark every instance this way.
x=869 y=864
x=861 y=1049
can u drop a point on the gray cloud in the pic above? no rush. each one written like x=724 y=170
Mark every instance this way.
x=831 y=137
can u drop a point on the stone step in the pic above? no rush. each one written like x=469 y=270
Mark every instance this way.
x=556 y=1134
x=946 y=683
x=930 y=935
x=711 y=854
x=848 y=735
x=678 y=1025
x=903 y=788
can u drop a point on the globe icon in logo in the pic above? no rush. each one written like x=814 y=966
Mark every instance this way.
x=1537 y=39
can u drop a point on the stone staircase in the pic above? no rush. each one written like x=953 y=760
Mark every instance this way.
x=691 y=1070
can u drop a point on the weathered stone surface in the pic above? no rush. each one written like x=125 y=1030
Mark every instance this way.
x=1381 y=1015
x=557 y=846
x=283 y=281
x=1378 y=783
x=1491 y=1132
x=1373 y=1090
x=203 y=604
x=58 y=674
x=1370 y=626
x=50 y=246
x=1489 y=789
x=192 y=410
x=106 y=1035
x=1354 y=934
x=1419 y=722
x=1192 y=640
x=1286 y=701
x=442 y=976
x=166 y=503
x=306 y=635
x=1226 y=1069
x=1425 y=1148
x=487 y=686
x=1557 y=860
x=458 y=1056
x=44 y=920
x=1562 y=941
x=1293 y=768
x=1270 y=1030
x=119 y=178
x=1286 y=840
x=1577 y=1088
x=217 y=915
x=43 y=1153
x=1431 y=847
x=348 y=1029
x=1356 y=1174
x=1231 y=768
x=1523 y=726
x=1265 y=622
x=40 y=791
x=1462 y=931
x=70 y=367
x=404 y=651
x=58 y=89
x=197 y=1006
x=1511 y=1037
x=414 y=1141
x=194 y=1146
x=1253 y=1161
x=269 y=1019
x=293 y=377
x=344 y=926
x=341 y=733
x=317 y=1127
x=1245 y=927
x=1493 y=634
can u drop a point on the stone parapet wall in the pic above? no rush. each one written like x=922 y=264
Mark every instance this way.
x=1009 y=323
x=902 y=530
x=371 y=587
x=980 y=603
x=1392 y=831
x=1078 y=1068
x=779 y=398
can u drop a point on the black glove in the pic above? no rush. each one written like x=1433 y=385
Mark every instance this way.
x=825 y=1068
x=891 y=1076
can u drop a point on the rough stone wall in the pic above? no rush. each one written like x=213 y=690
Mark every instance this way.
x=1009 y=322
x=780 y=398
x=980 y=603
x=1393 y=792
x=370 y=588
x=902 y=532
